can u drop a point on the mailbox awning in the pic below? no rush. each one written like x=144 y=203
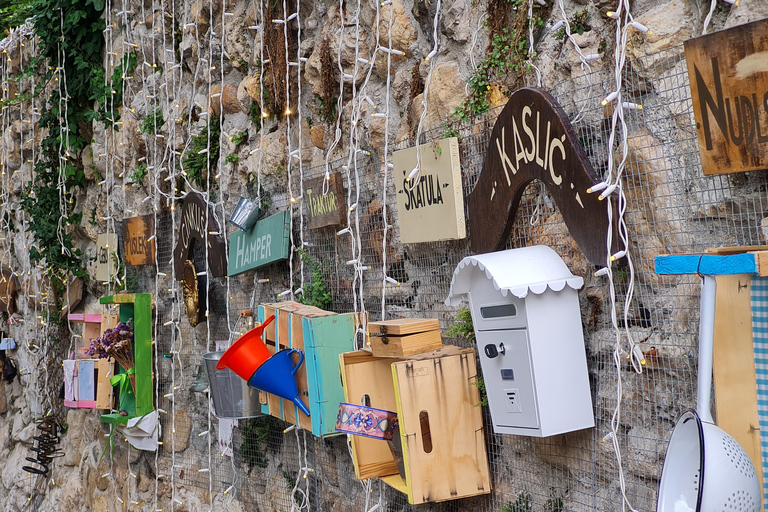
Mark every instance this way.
x=517 y=271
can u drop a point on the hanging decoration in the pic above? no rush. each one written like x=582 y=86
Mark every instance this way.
x=139 y=240
x=199 y=225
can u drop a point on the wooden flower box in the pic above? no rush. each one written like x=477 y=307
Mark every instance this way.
x=136 y=306
x=322 y=336
x=441 y=429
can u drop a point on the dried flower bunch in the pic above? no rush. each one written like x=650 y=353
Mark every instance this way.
x=116 y=343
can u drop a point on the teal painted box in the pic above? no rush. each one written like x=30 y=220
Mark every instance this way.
x=322 y=336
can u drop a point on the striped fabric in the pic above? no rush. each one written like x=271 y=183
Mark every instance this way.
x=759 y=304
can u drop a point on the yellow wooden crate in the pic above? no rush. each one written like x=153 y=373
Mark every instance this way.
x=441 y=429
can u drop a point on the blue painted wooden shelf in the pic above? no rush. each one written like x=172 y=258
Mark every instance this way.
x=714 y=264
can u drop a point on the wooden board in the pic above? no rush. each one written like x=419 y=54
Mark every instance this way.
x=265 y=243
x=366 y=376
x=199 y=226
x=402 y=346
x=737 y=249
x=533 y=140
x=403 y=326
x=431 y=208
x=734 y=366
x=329 y=209
x=138 y=241
x=728 y=77
x=106 y=259
x=442 y=433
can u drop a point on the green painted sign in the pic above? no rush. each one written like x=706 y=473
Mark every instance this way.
x=264 y=243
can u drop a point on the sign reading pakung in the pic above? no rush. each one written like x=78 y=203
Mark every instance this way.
x=329 y=208
x=728 y=74
x=263 y=244
x=431 y=208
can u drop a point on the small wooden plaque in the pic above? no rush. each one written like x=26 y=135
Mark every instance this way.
x=431 y=209
x=106 y=263
x=137 y=232
x=329 y=209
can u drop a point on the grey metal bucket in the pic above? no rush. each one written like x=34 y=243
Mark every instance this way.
x=232 y=397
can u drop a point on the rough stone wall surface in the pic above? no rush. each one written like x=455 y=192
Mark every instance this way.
x=91 y=476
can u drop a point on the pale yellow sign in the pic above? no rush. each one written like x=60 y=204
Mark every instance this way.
x=106 y=258
x=430 y=208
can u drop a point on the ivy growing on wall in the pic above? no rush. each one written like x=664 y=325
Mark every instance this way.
x=70 y=45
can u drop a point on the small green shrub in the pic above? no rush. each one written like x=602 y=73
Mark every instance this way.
x=154 y=121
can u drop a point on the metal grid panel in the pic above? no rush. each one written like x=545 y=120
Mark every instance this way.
x=672 y=208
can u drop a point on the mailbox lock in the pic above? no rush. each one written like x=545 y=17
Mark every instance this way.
x=491 y=351
x=385 y=340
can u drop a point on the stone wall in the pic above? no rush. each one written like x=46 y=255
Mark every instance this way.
x=671 y=208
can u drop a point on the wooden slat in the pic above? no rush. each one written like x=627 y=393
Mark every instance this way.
x=401 y=346
x=736 y=249
x=734 y=366
x=404 y=326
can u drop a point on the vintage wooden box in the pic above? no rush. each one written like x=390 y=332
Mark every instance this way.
x=86 y=379
x=322 y=336
x=136 y=306
x=441 y=429
x=404 y=337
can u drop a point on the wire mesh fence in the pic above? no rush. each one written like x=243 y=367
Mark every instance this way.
x=672 y=208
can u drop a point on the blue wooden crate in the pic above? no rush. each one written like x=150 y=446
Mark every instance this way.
x=322 y=336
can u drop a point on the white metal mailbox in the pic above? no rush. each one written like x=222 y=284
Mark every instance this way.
x=525 y=310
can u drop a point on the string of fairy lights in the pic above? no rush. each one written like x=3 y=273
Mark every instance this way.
x=154 y=46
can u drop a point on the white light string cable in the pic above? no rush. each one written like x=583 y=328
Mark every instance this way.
x=712 y=7
x=414 y=176
x=531 y=51
x=387 y=165
x=624 y=23
x=340 y=101
x=290 y=153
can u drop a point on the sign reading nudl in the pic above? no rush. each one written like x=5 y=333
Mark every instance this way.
x=263 y=244
x=728 y=75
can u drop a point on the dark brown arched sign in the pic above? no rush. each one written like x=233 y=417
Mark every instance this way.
x=198 y=224
x=533 y=139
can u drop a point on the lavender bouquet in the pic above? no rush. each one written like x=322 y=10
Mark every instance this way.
x=116 y=343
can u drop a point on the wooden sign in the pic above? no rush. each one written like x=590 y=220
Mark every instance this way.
x=431 y=208
x=138 y=241
x=9 y=287
x=533 y=140
x=198 y=225
x=265 y=243
x=106 y=257
x=329 y=209
x=728 y=75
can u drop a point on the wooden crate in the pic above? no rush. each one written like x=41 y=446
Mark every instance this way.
x=322 y=336
x=435 y=402
x=404 y=337
x=136 y=306
x=90 y=387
